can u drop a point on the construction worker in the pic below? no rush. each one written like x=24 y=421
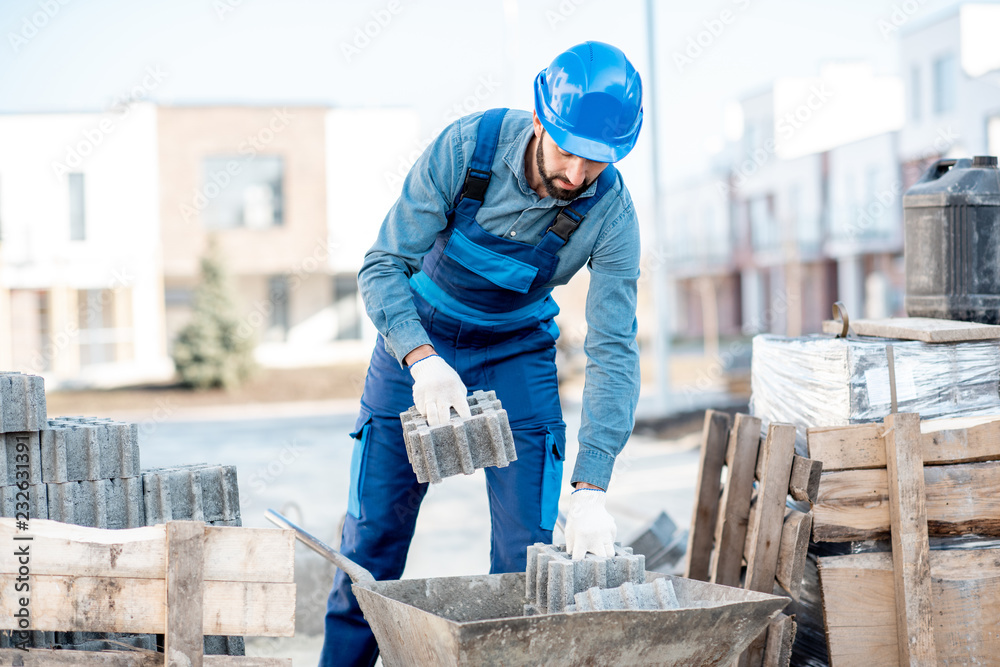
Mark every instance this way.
x=500 y=208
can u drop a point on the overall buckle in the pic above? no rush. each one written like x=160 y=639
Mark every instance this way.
x=476 y=182
x=566 y=223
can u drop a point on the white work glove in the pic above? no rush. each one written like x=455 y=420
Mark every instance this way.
x=436 y=389
x=589 y=527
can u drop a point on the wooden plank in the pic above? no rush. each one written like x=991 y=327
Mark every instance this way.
x=231 y=553
x=265 y=555
x=780 y=638
x=926 y=329
x=734 y=507
x=962 y=440
x=751 y=519
x=803 y=485
x=762 y=557
x=793 y=551
x=714 y=437
x=137 y=605
x=859 y=607
x=846 y=447
x=37 y=657
x=943 y=441
x=910 y=545
x=56 y=658
x=804 y=482
x=960 y=499
x=183 y=641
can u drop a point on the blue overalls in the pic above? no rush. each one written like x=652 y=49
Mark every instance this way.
x=483 y=302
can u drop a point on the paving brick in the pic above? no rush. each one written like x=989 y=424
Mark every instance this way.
x=658 y=594
x=21 y=454
x=668 y=558
x=655 y=538
x=36 y=639
x=223 y=645
x=103 y=503
x=553 y=577
x=83 y=448
x=199 y=492
x=37 y=501
x=22 y=402
x=461 y=445
x=103 y=641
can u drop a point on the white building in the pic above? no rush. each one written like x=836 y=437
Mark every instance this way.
x=81 y=291
x=949 y=64
x=105 y=216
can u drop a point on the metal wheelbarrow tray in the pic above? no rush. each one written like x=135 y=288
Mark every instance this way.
x=478 y=620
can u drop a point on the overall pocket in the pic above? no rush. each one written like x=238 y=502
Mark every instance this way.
x=555 y=453
x=361 y=434
x=499 y=269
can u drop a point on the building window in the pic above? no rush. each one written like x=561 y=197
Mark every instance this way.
x=178 y=296
x=916 y=93
x=347 y=306
x=763 y=230
x=945 y=88
x=278 y=292
x=95 y=318
x=77 y=209
x=750 y=138
x=45 y=343
x=243 y=193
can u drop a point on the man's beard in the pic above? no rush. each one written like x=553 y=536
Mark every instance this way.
x=549 y=181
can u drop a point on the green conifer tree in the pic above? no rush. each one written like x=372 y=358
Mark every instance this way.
x=210 y=351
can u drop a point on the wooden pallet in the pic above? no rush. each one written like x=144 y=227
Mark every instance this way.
x=182 y=579
x=739 y=522
x=961 y=478
x=906 y=479
x=926 y=329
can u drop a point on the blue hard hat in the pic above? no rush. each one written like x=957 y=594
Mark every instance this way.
x=590 y=100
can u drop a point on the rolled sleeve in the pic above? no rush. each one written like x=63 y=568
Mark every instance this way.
x=611 y=389
x=406 y=235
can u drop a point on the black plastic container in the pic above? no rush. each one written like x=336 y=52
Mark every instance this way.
x=951 y=226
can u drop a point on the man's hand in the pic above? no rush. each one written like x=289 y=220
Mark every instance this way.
x=436 y=389
x=589 y=527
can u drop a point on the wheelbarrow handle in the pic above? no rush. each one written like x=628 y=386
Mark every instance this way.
x=358 y=574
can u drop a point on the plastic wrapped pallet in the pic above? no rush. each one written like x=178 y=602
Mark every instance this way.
x=825 y=381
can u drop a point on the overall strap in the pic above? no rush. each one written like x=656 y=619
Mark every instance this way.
x=570 y=217
x=477 y=177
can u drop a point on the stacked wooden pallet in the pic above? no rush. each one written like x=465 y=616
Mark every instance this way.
x=910 y=481
x=746 y=519
x=183 y=579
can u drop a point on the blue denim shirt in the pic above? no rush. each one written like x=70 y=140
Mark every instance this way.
x=607 y=242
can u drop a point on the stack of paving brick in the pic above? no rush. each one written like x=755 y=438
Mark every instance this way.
x=555 y=583
x=90 y=468
x=22 y=415
x=657 y=594
x=461 y=445
x=198 y=492
x=85 y=471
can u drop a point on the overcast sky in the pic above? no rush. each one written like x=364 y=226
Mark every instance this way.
x=440 y=57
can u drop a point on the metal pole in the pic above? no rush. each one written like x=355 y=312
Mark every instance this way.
x=661 y=271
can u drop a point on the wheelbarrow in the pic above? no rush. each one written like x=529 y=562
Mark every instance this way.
x=479 y=620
